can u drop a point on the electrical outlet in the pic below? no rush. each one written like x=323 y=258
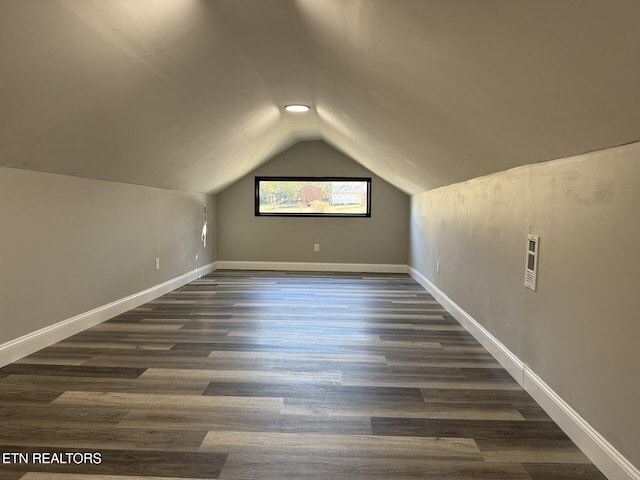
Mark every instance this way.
x=316 y=247
x=438 y=266
x=157 y=264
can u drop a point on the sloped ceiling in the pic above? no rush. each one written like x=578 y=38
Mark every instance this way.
x=188 y=94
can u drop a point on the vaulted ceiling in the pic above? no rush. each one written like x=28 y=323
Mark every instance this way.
x=188 y=94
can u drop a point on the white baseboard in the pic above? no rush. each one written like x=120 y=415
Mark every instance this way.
x=32 y=342
x=597 y=448
x=312 y=266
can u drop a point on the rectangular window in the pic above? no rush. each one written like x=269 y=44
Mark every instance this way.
x=313 y=197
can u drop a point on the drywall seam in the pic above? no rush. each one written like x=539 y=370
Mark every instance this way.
x=596 y=447
x=311 y=266
x=32 y=342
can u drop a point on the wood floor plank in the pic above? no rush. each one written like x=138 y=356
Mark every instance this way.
x=165 y=401
x=320 y=357
x=39 y=359
x=318 y=393
x=26 y=393
x=316 y=467
x=282 y=363
x=280 y=375
x=443 y=362
x=331 y=378
x=404 y=410
x=98 y=436
x=135 y=327
x=34 y=414
x=506 y=430
x=534 y=412
x=59 y=384
x=246 y=420
x=110 y=346
x=560 y=471
x=463 y=383
x=80 y=476
x=531 y=450
x=73 y=371
x=519 y=398
x=11 y=475
x=364 y=446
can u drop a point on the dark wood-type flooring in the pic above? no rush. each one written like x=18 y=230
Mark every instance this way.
x=262 y=375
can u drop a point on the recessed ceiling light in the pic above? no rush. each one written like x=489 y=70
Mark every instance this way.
x=296 y=108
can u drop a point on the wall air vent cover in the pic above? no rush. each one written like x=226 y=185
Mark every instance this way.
x=531 y=268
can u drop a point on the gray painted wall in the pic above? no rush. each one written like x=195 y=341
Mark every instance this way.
x=68 y=245
x=381 y=239
x=580 y=331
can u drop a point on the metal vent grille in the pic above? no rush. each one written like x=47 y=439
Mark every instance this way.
x=531 y=267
